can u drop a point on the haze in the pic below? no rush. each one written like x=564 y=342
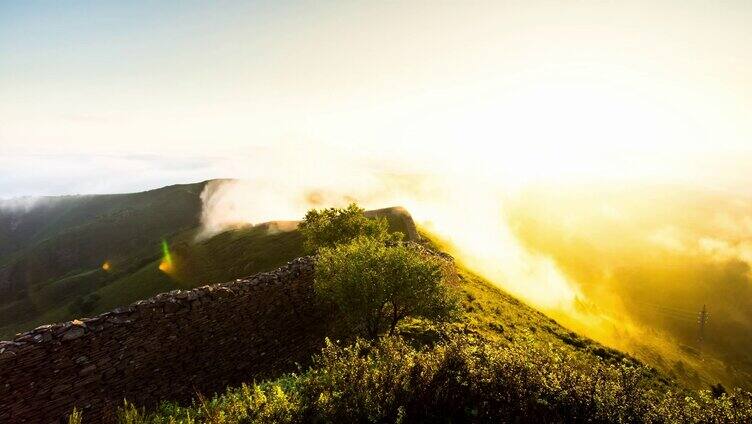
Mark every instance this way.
x=521 y=90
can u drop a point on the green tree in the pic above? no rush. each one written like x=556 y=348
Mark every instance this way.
x=333 y=226
x=375 y=285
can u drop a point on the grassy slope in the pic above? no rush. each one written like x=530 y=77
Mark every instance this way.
x=226 y=256
x=102 y=220
x=232 y=254
x=57 y=249
x=229 y=255
x=489 y=315
x=495 y=315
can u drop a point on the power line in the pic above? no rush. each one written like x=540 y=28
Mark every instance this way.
x=679 y=314
x=669 y=308
x=668 y=312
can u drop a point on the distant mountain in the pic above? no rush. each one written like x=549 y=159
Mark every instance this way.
x=73 y=256
x=55 y=250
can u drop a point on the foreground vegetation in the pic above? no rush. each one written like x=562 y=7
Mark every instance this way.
x=460 y=379
x=497 y=361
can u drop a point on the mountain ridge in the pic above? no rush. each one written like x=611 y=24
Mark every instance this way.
x=59 y=273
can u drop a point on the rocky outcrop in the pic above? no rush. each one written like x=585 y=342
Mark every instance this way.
x=399 y=220
x=168 y=347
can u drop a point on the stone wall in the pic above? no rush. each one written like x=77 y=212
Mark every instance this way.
x=168 y=347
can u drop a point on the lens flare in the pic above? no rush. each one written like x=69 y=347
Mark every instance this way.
x=166 y=264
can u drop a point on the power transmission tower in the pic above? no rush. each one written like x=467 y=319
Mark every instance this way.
x=702 y=319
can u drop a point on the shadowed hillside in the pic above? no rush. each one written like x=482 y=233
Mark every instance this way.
x=58 y=250
x=52 y=237
x=53 y=268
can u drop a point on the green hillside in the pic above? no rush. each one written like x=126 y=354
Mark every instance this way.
x=54 y=252
x=83 y=288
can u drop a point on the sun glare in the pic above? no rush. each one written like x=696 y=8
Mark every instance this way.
x=562 y=131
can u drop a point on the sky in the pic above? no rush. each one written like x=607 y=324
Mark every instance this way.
x=121 y=96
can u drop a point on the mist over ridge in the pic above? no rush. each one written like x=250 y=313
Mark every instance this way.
x=630 y=264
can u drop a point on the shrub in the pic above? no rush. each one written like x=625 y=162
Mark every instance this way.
x=74 y=417
x=333 y=226
x=83 y=304
x=374 y=286
x=89 y=303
